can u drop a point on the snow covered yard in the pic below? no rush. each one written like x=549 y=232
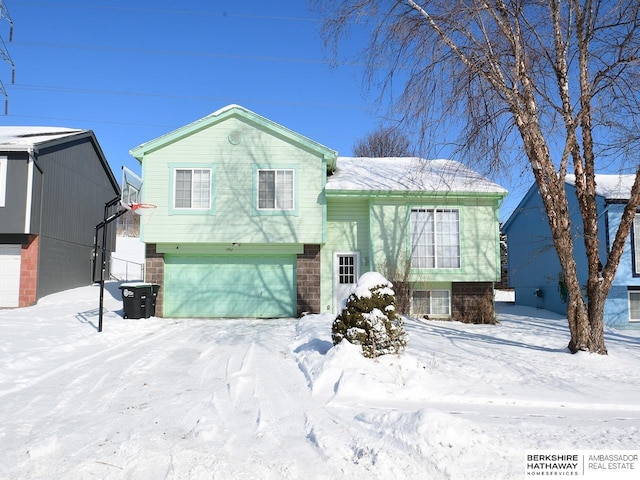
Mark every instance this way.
x=227 y=399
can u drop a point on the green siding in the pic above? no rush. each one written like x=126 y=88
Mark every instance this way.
x=479 y=238
x=378 y=228
x=234 y=218
x=230 y=286
x=347 y=231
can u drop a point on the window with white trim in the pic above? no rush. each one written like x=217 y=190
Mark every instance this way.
x=634 y=306
x=635 y=254
x=431 y=302
x=435 y=238
x=276 y=189
x=192 y=188
x=3 y=180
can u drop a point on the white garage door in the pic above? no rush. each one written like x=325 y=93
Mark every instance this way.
x=9 y=275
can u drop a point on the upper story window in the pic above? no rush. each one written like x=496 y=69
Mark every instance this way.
x=435 y=238
x=192 y=188
x=3 y=180
x=276 y=189
x=635 y=247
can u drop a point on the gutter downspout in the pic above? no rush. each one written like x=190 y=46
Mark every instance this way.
x=31 y=162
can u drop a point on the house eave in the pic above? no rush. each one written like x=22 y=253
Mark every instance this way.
x=35 y=147
x=616 y=201
x=412 y=193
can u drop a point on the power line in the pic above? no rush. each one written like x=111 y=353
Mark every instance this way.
x=183 y=53
x=88 y=91
x=81 y=121
x=4 y=53
x=198 y=13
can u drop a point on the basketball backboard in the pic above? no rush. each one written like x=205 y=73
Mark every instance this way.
x=131 y=188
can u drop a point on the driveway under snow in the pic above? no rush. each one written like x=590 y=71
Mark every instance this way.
x=232 y=399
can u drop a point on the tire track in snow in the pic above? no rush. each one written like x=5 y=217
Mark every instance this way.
x=255 y=403
x=110 y=353
x=88 y=375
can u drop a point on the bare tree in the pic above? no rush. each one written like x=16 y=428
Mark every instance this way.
x=558 y=78
x=384 y=142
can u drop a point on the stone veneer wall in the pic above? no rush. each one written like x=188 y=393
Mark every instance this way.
x=308 y=278
x=154 y=273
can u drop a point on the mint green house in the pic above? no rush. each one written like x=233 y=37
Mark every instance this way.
x=256 y=220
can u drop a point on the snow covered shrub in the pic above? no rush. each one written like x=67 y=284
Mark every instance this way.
x=370 y=319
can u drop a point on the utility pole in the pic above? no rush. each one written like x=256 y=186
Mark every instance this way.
x=4 y=53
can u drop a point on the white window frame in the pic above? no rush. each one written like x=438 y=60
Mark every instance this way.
x=431 y=298
x=636 y=294
x=194 y=188
x=345 y=272
x=3 y=180
x=635 y=245
x=342 y=290
x=431 y=256
x=279 y=202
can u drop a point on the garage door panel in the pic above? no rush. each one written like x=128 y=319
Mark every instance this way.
x=217 y=286
x=9 y=275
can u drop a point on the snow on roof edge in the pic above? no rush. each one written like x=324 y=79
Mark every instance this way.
x=408 y=174
x=29 y=136
x=610 y=186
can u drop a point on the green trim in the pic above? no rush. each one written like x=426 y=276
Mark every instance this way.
x=323 y=200
x=230 y=248
x=372 y=241
x=275 y=212
x=172 y=210
x=496 y=221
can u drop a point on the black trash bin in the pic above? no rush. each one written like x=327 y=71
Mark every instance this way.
x=138 y=299
x=151 y=305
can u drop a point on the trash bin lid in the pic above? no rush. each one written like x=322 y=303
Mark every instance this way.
x=135 y=285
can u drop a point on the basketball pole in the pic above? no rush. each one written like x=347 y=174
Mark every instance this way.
x=103 y=248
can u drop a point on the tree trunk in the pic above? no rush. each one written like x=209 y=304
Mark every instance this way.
x=585 y=320
x=578 y=319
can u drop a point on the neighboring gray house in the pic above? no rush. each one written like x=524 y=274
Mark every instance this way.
x=54 y=183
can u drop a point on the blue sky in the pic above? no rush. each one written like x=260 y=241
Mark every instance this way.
x=132 y=71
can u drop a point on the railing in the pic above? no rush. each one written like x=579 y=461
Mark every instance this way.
x=127 y=270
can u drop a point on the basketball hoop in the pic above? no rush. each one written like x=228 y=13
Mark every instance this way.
x=144 y=210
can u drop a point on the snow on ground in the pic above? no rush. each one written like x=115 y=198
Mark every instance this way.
x=270 y=399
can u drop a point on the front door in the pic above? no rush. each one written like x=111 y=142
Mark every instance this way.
x=345 y=266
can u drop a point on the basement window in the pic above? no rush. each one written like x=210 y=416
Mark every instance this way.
x=431 y=303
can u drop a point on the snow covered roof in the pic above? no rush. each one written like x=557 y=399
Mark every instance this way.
x=408 y=174
x=20 y=138
x=610 y=186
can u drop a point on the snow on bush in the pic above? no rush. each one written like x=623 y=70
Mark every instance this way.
x=369 y=318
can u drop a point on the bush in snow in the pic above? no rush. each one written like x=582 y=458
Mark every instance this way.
x=370 y=319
